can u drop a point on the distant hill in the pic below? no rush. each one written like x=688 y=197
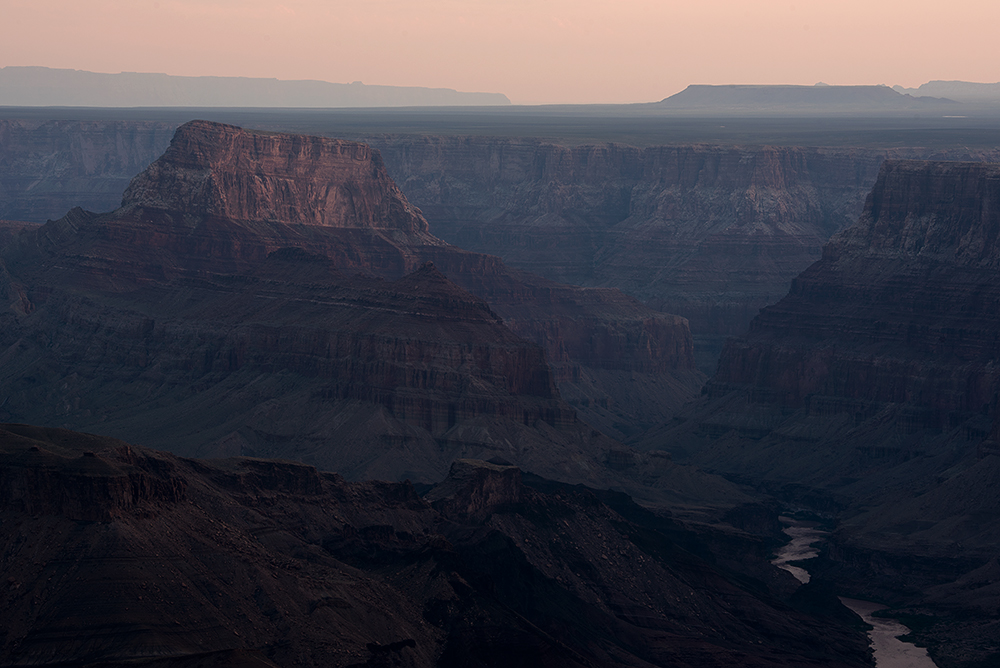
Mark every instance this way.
x=963 y=91
x=808 y=99
x=47 y=87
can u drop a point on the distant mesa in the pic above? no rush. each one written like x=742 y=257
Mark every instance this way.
x=808 y=99
x=963 y=91
x=48 y=87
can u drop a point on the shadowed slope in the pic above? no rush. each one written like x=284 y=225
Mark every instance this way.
x=256 y=562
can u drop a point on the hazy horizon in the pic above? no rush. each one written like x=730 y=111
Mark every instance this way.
x=582 y=52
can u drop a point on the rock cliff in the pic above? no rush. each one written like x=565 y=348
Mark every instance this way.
x=222 y=171
x=712 y=233
x=226 y=289
x=221 y=199
x=875 y=382
x=901 y=308
x=886 y=345
x=251 y=562
x=50 y=166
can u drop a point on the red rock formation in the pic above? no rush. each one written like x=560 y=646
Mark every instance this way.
x=222 y=199
x=710 y=233
x=222 y=171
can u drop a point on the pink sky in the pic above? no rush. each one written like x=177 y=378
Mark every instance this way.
x=535 y=51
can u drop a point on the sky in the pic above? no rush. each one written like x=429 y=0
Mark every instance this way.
x=534 y=51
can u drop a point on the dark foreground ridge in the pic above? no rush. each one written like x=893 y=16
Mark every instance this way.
x=117 y=555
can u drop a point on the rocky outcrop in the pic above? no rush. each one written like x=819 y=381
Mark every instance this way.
x=222 y=199
x=264 y=563
x=38 y=476
x=887 y=346
x=711 y=233
x=475 y=489
x=222 y=171
x=280 y=359
x=226 y=289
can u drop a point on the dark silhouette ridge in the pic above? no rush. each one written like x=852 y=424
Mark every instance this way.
x=137 y=557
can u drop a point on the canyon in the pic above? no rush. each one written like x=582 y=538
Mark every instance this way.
x=279 y=296
x=712 y=233
x=869 y=393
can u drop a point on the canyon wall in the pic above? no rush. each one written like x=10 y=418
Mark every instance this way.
x=711 y=233
x=49 y=167
x=870 y=393
x=297 y=306
x=902 y=308
x=883 y=351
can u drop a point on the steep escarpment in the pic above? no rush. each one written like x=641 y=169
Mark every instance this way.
x=902 y=307
x=222 y=199
x=223 y=171
x=294 y=360
x=221 y=311
x=888 y=345
x=873 y=387
x=256 y=562
x=50 y=166
x=712 y=233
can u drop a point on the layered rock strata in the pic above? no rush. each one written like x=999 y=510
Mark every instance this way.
x=901 y=309
x=712 y=233
x=251 y=562
x=221 y=199
x=50 y=166
x=221 y=291
x=875 y=381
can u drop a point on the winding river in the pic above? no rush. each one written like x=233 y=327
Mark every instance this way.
x=889 y=650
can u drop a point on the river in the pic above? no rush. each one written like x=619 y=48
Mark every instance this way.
x=804 y=536
x=889 y=650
